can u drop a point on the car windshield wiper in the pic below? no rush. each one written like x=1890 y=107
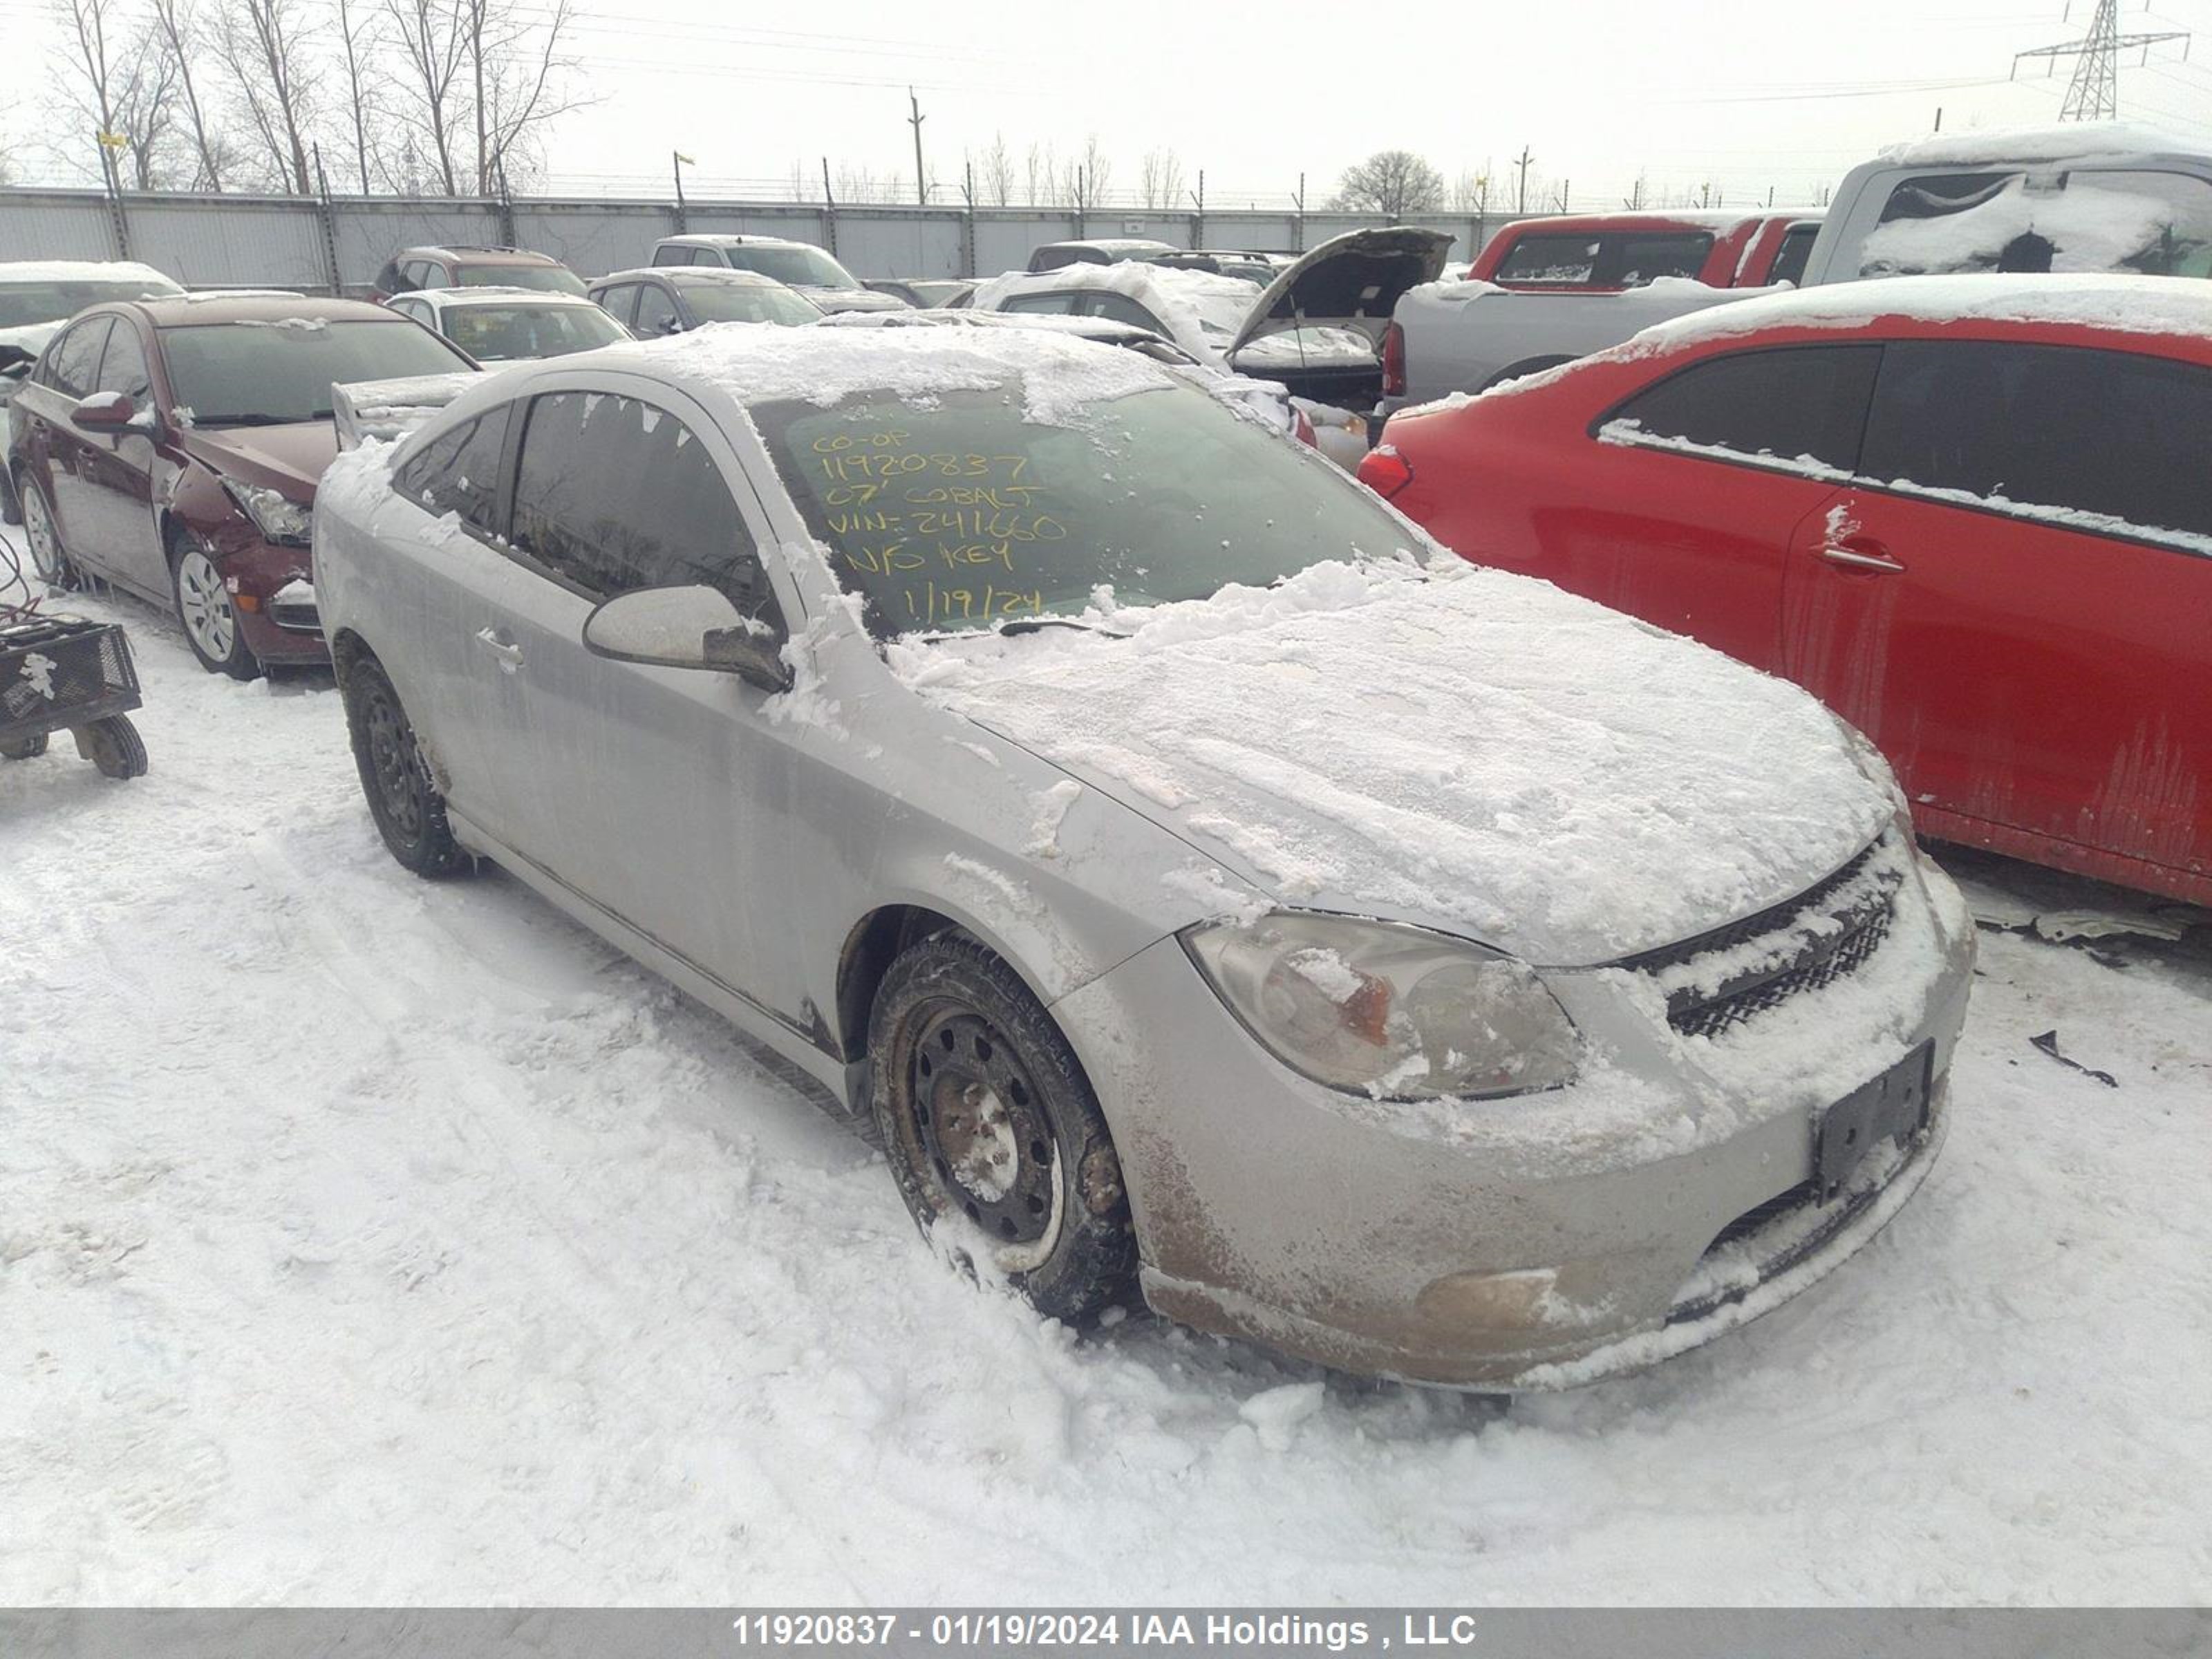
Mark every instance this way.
x=1030 y=624
x=199 y=419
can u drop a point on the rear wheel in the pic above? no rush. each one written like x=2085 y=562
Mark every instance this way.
x=985 y=1116
x=403 y=798
x=208 y=613
x=48 y=562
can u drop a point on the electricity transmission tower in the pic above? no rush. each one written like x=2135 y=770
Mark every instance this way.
x=2095 y=95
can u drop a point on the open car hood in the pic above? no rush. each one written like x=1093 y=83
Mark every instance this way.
x=1353 y=281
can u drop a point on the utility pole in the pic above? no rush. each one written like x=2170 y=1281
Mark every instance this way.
x=2094 y=93
x=1520 y=201
x=677 y=159
x=915 y=121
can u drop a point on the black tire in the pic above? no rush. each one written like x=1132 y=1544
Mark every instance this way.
x=209 y=618
x=51 y=564
x=984 y=1111
x=24 y=748
x=114 y=745
x=410 y=812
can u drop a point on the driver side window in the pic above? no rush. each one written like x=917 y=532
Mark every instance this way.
x=459 y=473
x=613 y=495
x=656 y=312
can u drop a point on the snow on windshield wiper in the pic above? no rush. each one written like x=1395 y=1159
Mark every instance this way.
x=1030 y=624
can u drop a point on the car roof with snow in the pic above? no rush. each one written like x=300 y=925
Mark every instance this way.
x=249 y=307
x=2070 y=139
x=730 y=238
x=2111 y=304
x=446 y=299
x=84 y=270
x=722 y=275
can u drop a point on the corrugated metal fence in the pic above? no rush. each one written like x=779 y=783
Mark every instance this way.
x=339 y=246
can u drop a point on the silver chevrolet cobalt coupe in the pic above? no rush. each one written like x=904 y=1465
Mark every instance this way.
x=1197 y=880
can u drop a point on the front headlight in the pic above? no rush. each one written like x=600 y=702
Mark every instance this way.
x=278 y=520
x=1380 y=1009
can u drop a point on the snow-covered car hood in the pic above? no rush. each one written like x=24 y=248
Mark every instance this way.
x=1473 y=750
x=1353 y=281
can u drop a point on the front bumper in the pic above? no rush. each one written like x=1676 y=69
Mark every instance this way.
x=269 y=586
x=1539 y=1243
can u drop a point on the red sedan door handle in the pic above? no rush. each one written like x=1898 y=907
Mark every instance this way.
x=1862 y=553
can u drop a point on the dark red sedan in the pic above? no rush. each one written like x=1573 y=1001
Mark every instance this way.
x=172 y=447
x=1973 y=516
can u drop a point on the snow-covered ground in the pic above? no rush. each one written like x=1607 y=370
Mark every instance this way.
x=368 y=1240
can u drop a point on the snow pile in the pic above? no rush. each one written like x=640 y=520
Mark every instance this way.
x=2045 y=143
x=1470 y=748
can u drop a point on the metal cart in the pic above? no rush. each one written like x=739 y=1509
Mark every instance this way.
x=66 y=674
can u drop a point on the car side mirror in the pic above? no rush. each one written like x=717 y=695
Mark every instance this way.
x=105 y=412
x=695 y=627
x=669 y=325
x=14 y=360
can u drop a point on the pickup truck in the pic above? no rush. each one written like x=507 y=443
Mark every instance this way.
x=2087 y=197
x=1546 y=291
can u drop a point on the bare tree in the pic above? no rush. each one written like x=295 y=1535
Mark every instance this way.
x=997 y=173
x=359 y=43
x=1085 y=179
x=856 y=183
x=181 y=36
x=1390 y=181
x=266 y=49
x=1159 y=179
x=1041 y=170
x=432 y=50
x=146 y=111
x=519 y=71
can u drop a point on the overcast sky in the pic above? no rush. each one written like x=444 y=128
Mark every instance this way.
x=1784 y=94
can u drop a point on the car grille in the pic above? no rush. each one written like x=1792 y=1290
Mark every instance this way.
x=1804 y=1194
x=1815 y=939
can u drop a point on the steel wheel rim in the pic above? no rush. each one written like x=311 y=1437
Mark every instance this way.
x=391 y=758
x=208 y=616
x=984 y=1136
x=38 y=530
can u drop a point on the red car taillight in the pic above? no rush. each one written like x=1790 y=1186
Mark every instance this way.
x=1394 y=361
x=1385 y=470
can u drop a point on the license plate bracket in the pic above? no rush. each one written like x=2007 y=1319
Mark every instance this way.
x=1893 y=1106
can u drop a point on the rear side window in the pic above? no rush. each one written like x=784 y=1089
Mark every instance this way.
x=671 y=256
x=615 y=494
x=1057 y=305
x=2107 y=433
x=1633 y=261
x=1564 y=259
x=1120 y=308
x=75 y=362
x=1798 y=404
x=459 y=472
x=1797 y=248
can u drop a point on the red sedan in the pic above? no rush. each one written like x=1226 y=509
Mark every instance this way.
x=172 y=447
x=1973 y=516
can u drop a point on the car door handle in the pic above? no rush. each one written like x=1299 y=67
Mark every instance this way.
x=1863 y=556
x=509 y=652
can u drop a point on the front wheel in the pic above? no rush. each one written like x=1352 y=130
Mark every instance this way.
x=48 y=562
x=986 y=1115
x=210 y=615
x=403 y=798
x=24 y=748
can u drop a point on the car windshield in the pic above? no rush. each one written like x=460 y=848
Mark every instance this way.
x=803 y=267
x=22 y=304
x=497 y=333
x=744 y=302
x=273 y=374
x=963 y=514
x=551 y=279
